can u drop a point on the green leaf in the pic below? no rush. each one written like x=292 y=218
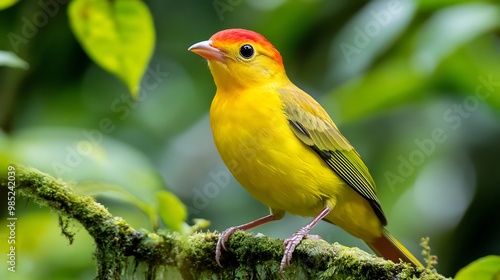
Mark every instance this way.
x=171 y=210
x=12 y=60
x=200 y=224
x=484 y=268
x=4 y=4
x=118 y=35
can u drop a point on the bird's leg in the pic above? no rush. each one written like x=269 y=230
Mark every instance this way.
x=224 y=236
x=294 y=240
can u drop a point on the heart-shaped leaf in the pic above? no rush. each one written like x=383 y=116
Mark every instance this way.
x=118 y=35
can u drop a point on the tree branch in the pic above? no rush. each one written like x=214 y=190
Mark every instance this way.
x=173 y=256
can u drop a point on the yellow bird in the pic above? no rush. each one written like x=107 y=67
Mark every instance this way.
x=284 y=149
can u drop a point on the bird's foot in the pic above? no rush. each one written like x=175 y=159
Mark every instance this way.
x=290 y=243
x=221 y=243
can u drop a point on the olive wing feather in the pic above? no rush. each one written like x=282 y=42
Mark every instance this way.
x=312 y=125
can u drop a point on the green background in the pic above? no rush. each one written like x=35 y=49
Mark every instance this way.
x=413 y=85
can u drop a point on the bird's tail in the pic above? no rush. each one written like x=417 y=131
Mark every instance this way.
x=388 y=247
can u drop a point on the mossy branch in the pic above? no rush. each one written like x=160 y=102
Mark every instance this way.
x=173 y=256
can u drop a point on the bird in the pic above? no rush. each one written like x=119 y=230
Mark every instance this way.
x=285 y=150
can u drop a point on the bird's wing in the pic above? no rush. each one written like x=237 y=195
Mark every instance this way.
x=312 y=125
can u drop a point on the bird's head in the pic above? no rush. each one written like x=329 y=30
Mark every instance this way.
x=240 y=58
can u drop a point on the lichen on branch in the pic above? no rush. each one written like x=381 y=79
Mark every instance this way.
x=169 y=255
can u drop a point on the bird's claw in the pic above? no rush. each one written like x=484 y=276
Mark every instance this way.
x=289 y=245
x=221 y=243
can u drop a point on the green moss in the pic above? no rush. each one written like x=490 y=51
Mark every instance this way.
x=64 y=225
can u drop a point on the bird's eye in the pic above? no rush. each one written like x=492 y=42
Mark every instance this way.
x=246 y=51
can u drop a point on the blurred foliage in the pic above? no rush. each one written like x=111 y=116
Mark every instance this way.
x=414 y=85
x=11 y=60
x=7 y=3
x=484 y=268
x=171 y=209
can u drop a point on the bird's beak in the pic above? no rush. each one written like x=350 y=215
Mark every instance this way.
x=206 y=50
